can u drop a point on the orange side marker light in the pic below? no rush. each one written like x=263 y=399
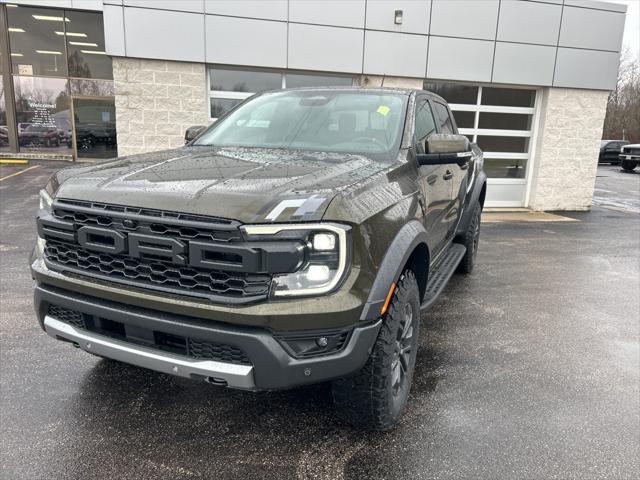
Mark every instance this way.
x=383 y=310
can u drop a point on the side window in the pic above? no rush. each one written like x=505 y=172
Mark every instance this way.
x=425 y=124
x=444 y=120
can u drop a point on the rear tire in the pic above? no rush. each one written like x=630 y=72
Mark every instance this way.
x=471 y=241
x=375 y=397
x=628 y=165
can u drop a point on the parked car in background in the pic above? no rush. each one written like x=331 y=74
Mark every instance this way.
x=40 y=135
x=4 y=136
x=91 y=134
x=610 y=151
x=630 y=156
x=22 y=126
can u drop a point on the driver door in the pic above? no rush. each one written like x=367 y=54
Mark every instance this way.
x=434 y=181
x=459 y=173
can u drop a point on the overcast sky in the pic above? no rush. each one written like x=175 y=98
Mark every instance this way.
x=631 y=38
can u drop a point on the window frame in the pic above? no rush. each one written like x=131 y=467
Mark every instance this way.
x=454 y=128
x=416 y=141
x=228 y=95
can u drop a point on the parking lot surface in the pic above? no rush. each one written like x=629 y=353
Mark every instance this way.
x=528 y=368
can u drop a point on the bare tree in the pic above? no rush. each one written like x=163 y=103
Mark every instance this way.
x=622 y=120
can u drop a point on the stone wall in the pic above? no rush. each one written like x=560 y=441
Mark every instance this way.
x=156 y=101
x=566 y=155
x=374 y=81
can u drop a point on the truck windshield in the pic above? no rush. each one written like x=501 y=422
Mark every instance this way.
x=332 y=121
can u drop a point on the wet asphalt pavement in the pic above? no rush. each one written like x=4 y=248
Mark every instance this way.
x=528 y=368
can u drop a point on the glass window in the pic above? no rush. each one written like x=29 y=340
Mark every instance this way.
x=464 y=119
x=220 y=106
x=243 y=80
x=95 y=122
x=508 y=97
x=36 y=41
x=504 y=121
x=335 y=121
x=91 y=88
x=294 y=80
x=453 y=92
x=490 y=143
x=444 y=121
x=425 y=125
x=42 y=114
x=505 y=168
x=85 y=46
x=4 y=132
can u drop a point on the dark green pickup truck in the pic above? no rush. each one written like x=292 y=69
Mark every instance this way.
x=296 y=240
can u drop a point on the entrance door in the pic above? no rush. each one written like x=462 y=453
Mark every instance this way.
x=94 y=121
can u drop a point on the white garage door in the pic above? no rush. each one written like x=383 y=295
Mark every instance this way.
x=501 y=121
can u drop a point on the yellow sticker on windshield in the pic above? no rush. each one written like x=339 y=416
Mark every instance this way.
x=383 y=110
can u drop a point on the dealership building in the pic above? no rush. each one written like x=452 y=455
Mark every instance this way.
x=527 y=80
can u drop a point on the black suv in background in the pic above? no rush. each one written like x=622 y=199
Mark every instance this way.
x=296 y=240
x=610 y=151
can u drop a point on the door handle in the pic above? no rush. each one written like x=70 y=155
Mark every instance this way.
x=448 y=175
x=464 y=166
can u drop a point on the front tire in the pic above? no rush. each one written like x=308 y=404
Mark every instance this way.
x=471 y=241
x=629 y=165
x=375 y=397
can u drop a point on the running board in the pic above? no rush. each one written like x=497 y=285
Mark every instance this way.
x=439 y=278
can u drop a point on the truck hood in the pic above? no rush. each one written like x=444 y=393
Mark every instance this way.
x=249 y=185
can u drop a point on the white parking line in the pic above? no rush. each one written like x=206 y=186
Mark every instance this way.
x=19 y=173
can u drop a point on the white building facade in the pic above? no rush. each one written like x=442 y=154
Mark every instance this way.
x=527 y=80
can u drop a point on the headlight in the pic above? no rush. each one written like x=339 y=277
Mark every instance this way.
x=45 y=200
x=325 y=261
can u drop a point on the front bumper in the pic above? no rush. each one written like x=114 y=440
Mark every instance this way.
x=629 y=156
x=271 y=366
x=338 y=310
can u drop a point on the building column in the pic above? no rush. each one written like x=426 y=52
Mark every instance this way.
x=566 y=151
x=374 y=81
x=156 y=101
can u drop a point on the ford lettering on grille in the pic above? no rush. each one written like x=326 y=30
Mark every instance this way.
x=176 y=253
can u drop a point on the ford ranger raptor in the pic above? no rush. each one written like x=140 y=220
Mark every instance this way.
x=296 y=240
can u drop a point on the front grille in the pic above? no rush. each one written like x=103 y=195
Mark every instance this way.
x=162 y=275
x=151 y=221
x=632 y=151
x=227 y=284
x=177 y=344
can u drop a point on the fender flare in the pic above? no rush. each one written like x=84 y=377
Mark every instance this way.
x=472 y=198
x=406 y=240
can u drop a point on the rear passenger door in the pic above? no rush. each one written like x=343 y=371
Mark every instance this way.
x=432 y=181
x=458 y=174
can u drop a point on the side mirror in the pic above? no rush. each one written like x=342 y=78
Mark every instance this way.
x=193 y=132
x=443 y=149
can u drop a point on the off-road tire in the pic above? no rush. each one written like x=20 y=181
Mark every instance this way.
x=368 y=399
x=628 y=165
x=471 y=241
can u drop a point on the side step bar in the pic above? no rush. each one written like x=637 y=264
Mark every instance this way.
x=439 y=278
